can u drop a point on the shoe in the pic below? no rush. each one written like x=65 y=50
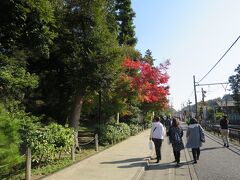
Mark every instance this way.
x=198 y=158
x=224 y=145
x=227 y=146
x=195 y=162
x=157 y=161
x=177 y=165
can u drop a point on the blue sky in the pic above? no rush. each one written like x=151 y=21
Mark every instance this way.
x=193 y=34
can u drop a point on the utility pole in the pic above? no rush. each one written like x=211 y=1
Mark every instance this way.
x=189 y=110
x=202 y=106
x=203 y=95
x=195 y=94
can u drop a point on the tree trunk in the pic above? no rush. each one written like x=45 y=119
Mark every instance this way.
x=75 y=116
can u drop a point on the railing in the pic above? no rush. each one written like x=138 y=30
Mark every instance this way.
x=86 y=138
x=233 y=133
x=28 y=154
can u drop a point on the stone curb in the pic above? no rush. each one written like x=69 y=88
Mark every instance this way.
x=140 y=172
x=191 y=169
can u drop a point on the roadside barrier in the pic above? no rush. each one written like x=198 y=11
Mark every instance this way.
x=233 y=133
x=90 y=140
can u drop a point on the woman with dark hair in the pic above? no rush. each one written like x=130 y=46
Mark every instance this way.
x=175 y=138
x=224 y=130
x=157 y=136
x=195 y=137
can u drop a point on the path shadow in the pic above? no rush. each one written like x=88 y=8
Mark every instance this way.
x=124 y=161
x=137 y=164
x=134 y=162
x=162 y=166
x=211 y=148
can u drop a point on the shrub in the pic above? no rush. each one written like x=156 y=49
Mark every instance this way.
x=134 y=129
x=123 y=131
x=48 y=142
x=9 y=142
x=112 y=133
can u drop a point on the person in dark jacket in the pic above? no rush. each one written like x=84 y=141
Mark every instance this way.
x=168 y=124
x=224 y=130
x=175 y=138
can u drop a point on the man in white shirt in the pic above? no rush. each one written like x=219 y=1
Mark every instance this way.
x=157 y=135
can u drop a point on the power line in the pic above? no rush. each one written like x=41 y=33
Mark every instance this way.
x=220 y=59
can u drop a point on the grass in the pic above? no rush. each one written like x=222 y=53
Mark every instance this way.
x=59 y=164
x=39 y=172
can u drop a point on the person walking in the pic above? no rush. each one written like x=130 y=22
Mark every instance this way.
x=157 y=135
x=168 y=124
x=175 y=138
x=195 y=137
x=224 y=130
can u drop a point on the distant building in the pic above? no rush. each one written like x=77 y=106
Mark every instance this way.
x=227 y=105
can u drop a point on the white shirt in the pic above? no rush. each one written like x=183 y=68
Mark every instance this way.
x=157 y=131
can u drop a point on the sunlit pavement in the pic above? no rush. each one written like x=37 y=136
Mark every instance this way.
x=129 y=160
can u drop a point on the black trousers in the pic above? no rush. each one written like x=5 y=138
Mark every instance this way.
x=195 y=153
x=177 y=156
x=157 y=144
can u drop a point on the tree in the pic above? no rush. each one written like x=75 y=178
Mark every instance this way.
x=148 y=57
x=26 y=24
x=234 y=81
x=26 y=31
x=149 y=84
x=84 y=59
x=15 y=80
x=125 y=15
x=149 y=81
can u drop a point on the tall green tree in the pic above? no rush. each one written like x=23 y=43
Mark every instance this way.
x=85 y=58
x=25 y=27
x=148 y=57
x=96 y=57
x=125 y=15
x=234 y=81
x=25 y=32
x=26 y=24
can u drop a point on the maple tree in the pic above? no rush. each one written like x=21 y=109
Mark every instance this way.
x=150 y=82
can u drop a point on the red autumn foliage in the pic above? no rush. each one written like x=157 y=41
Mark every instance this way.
x=149 y=81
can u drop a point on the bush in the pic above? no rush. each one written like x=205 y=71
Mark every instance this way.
x=9 y=142
x=134 y=129
x=113 y=133
x=123 y=131
x=49 y=142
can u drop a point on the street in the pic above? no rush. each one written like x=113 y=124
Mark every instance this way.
x=216 y=162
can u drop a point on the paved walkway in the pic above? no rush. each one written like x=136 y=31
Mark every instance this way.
x=128 y=160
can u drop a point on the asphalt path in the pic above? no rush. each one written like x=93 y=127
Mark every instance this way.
x=216 y=161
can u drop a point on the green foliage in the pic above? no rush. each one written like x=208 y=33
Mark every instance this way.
x=113 y=133
x=14 y=79
x=148 y=119
x=234 y=81
x=125 y=15
x=26 y=24
x=48 y=142
x=123 y=131
x=9 y=142
x=148 y=57
x=218 y=115
x=134 y=129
